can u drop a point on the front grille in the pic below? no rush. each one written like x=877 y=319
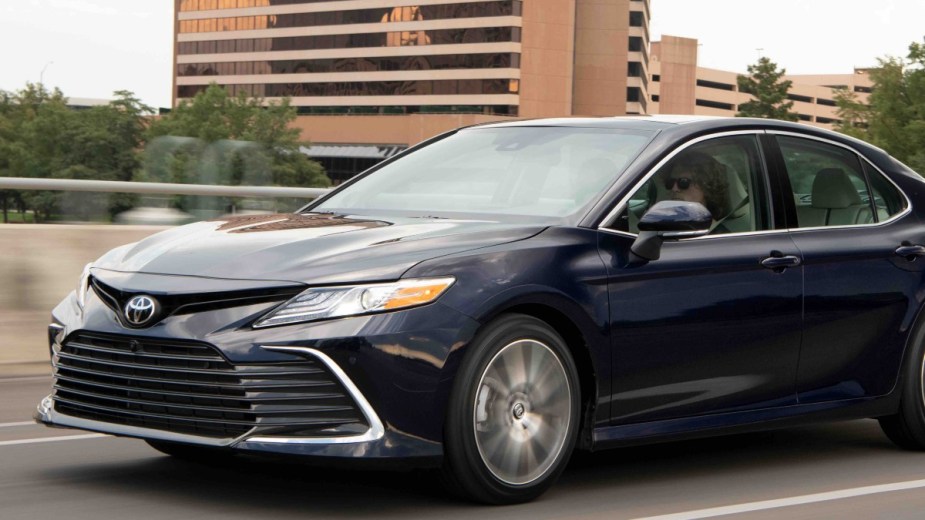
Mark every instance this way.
x=189 y=387
x=175 y=304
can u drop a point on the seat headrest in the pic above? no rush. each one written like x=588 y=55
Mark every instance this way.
x=833 y=189
x=736 y=192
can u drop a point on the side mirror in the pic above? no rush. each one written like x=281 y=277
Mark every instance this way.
x=670 y=220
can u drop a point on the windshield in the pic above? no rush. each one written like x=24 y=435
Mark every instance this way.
x=532 y=171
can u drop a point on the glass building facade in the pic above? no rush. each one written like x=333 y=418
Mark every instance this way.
x=356 y=57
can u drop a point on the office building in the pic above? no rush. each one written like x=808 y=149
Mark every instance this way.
x=679 y=86
x=404 y=70
x=371 y=77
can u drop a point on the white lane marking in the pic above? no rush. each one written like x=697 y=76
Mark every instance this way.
x=24 y=423
x=792 y=501
x=53 y=439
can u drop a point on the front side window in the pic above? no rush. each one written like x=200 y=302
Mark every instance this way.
x=830 y=186
x=528 y=171
x=724 y=174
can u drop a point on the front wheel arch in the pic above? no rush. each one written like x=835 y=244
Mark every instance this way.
x=472 y=406
x=578 y=347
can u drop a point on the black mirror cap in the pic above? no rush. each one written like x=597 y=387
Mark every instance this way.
x=676 y=216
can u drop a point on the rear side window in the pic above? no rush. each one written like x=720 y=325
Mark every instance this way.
x=829 y=184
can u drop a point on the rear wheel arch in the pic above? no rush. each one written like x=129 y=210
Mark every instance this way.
x=906 y=427
x=915 y=337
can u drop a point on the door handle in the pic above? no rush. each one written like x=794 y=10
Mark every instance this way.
x=779 y=263
x=910 y=252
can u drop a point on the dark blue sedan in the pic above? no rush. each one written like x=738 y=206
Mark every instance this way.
x=501 y=295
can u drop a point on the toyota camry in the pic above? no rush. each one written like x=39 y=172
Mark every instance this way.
x=502 y=295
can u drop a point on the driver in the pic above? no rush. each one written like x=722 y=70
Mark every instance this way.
x=697 y=177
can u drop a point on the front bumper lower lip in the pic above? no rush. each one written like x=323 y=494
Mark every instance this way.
x=46 y=414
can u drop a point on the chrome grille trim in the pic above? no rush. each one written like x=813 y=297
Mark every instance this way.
x=241 y=371
x=255 y=399
x=153 y=355
x=205 y=384
x=376 y=430
x=189 y=388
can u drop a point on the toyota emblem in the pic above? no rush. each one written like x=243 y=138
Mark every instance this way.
x=141 y=310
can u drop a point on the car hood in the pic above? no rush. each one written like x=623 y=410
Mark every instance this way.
x=307 y=248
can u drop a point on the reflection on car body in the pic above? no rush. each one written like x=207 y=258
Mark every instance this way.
x=501 y=295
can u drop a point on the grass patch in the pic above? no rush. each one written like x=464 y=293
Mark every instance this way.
x=15 y=217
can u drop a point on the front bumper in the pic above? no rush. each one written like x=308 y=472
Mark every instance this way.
x=386 y=444
x=395 y=367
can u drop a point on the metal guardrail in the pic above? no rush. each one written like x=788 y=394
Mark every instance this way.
x=157 y=188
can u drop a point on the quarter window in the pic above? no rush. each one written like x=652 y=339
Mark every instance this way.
x=887 y=200
x=724 y=174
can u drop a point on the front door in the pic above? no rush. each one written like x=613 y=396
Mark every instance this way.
x=714 y=324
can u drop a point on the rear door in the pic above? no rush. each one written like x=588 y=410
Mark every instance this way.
x=852 y=227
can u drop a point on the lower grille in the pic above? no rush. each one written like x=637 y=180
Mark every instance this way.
x=188 y=387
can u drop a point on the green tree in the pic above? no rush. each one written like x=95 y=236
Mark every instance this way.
x=768 y=90
x=6 y=143
x=37 y=119
x=103 y=143
x=853 y=113
x=40 y=136
x=894 y=118
x=239 y=140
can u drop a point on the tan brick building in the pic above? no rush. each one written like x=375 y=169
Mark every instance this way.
x=393 y=72
x=679 y=86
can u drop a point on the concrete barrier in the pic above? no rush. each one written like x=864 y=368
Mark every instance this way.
x=40 y=265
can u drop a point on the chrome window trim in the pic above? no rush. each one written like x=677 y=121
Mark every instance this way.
x=617 y=232
x=375 y=432
x=685 y=234
x=864 y=159
x=708 y=237
x=612 y=216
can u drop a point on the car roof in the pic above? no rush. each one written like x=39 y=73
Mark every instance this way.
x=653 y=122
x=682 y=125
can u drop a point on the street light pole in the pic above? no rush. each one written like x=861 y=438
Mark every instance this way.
x=42 y=74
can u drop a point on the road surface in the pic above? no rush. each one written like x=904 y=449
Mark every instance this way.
x=839 y=470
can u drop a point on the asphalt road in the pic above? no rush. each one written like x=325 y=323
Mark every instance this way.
x=832 y=467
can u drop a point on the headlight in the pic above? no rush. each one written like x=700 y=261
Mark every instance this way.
x=337 y=302
x=83 y=286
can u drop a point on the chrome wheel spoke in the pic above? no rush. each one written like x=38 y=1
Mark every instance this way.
x=515 y=365
x=497 y=442
x=551 y=396
x=522 y=412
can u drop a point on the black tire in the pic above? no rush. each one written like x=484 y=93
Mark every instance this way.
x=497 y=420
x=190 y=452
x=906 y=428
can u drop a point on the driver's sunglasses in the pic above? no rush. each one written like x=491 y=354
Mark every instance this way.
x=682 y=182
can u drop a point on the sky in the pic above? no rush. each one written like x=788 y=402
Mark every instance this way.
x=801 y=36
x=91 y=48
